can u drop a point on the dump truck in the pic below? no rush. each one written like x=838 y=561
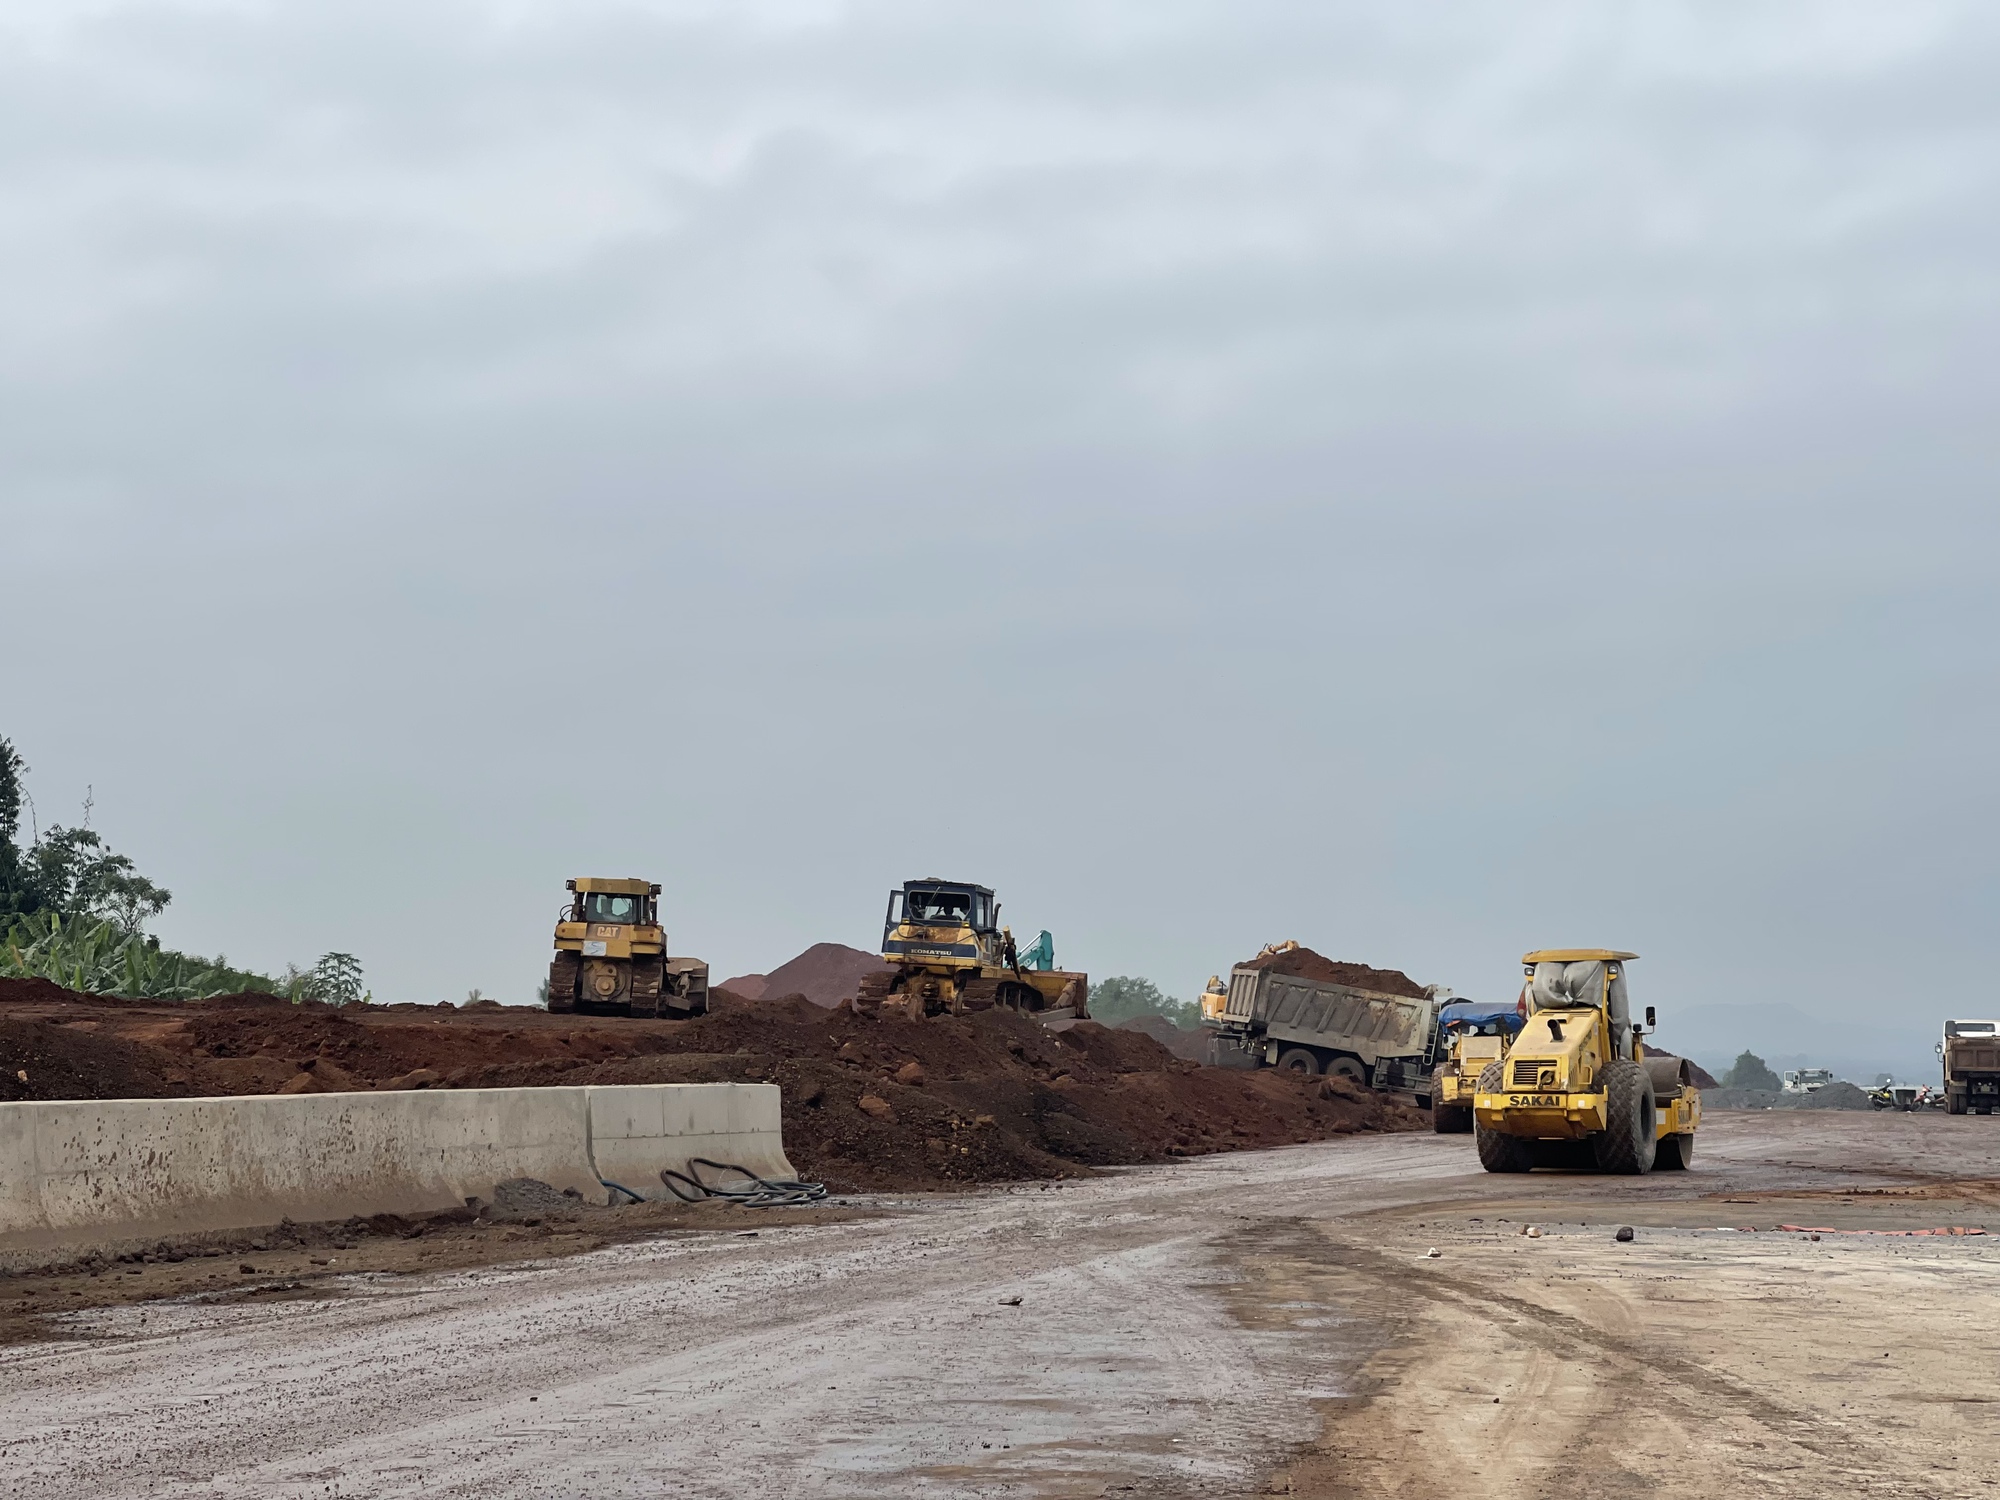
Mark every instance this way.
x=1970 y=1056
x=1473 y=1035
x=1577 y=1088
x=611 y=955
x=1315 y=1026
x=948 y=954
x=1805 y=1080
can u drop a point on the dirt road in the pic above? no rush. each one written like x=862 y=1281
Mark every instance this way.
x=1237 y=1324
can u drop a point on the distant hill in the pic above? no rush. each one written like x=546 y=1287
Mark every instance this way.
x=1789 y=1036
x=826 y=974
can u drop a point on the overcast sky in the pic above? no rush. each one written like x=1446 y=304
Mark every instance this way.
x=1427 y=481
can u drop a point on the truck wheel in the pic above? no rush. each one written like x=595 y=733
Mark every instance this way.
x=1298 y=1060
x=1631 y=1119
x=1499 y=1152
x=1954 y=1104
x=1349 y=1068
x=1676 y=1153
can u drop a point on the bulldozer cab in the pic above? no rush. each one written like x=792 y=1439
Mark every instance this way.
x=623 y=903
x=607 y=906
x=941 y=903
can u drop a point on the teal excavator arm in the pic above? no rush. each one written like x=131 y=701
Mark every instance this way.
x=1040 y=954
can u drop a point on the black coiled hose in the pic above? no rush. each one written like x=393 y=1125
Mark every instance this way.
x=752 y=1192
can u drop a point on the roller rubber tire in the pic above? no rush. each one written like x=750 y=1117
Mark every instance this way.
x=1498 y=1152
x=1631 y=1118
x=1451 y=1119
x=1676 y=1153
x=1298 y=1060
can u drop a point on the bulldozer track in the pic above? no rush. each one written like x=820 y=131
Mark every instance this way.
x=980 y=994
x=564 y=973
x=873 y=990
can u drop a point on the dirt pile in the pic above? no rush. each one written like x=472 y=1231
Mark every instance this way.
x=870 y=1103
x=1833 y=1096
x=826 y=974
x=40 y=1060
x=43 y=992
x=1303 y=963
x=1703 y=1079
x=1190 y=1043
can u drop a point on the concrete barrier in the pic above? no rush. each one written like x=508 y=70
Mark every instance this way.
x=635 y=1131
x=93 y=1169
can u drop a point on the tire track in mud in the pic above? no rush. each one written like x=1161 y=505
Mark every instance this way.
x=1302 y=1259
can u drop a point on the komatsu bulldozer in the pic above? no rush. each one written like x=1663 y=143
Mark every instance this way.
x=1577 y=1088
x=611 y=955
x=948 y=954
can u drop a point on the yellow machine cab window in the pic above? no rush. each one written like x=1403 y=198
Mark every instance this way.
x=604 y=906
x=939 y=907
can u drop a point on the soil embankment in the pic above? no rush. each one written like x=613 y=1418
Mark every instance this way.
x=870 y=1103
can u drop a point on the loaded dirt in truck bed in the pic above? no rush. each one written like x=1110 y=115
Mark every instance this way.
x=1303 y=963
x=870 y=1103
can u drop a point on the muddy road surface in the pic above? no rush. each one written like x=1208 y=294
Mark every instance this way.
x=1263 y=1322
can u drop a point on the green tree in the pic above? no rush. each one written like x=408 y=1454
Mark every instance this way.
x=1750 y=1072
x=73 y=871
x=1120 y=998
x=16 y=898
x=70 y=872
x=335 y=979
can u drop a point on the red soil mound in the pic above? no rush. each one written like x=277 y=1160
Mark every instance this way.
x=1189 y=1042
x=43 y=992
x=40 y=1060
x=826 y=974
x=1306 y=964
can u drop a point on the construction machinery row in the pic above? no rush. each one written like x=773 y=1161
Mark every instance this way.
x=943 y=942
x=1564 y=1081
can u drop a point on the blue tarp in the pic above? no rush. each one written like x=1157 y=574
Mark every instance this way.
x=1473 y=1013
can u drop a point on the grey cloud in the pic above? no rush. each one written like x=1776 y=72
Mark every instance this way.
x=1219 y=474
